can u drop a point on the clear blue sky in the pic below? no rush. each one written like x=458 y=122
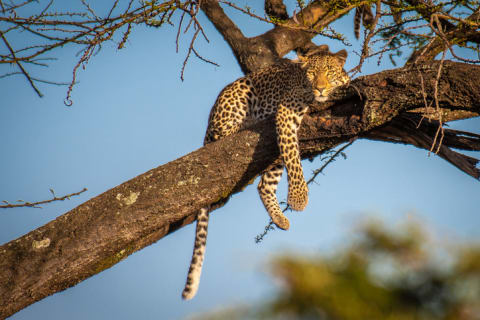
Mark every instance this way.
x=132 y=113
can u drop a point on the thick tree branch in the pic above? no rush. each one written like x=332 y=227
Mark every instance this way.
x=227 y=28
x=410 y=129
x=113 y=225
x=266 y=49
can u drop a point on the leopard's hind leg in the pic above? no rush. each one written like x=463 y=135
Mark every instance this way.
x=266 y=189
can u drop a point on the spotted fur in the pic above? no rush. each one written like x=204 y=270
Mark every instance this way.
x=364 y=15
x=193 y=278
x=285 y=91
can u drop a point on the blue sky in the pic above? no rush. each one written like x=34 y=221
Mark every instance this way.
x=132 y=112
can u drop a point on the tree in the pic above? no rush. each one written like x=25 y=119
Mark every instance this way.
x=179 y=205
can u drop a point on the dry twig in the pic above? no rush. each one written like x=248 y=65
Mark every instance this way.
x=37 y=204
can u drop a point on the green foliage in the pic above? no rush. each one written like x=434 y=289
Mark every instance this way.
x=276 y=20
x=383 y=274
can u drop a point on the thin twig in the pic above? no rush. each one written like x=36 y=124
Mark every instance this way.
x=25 y=73
x=190 y=49
x=424 y=94
x=84 y=59
x=36 y=204
x=90 y=10
x=437 y=106
x=178 y=31
x=330 y=160
x=371 y=33
x=112 y=8
x=204 y=59
x=268 y=227
x=35 y=79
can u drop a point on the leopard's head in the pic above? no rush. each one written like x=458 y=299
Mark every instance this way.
x=324 y=70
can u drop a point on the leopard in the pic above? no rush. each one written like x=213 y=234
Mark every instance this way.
x=283 y=91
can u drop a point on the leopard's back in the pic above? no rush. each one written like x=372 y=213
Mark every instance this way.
x=256 y=97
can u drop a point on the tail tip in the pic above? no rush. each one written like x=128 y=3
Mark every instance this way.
x=188 y=294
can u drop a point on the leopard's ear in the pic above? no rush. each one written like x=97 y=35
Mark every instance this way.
x=342 y=55
x=317 y=50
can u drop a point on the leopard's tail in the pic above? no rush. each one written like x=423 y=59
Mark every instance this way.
x=193 y=278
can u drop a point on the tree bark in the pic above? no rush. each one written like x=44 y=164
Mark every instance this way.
x=106 y=229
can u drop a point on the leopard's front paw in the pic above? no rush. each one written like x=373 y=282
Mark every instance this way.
x=298 y=196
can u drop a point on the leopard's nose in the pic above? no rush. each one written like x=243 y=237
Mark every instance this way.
x=320 y=92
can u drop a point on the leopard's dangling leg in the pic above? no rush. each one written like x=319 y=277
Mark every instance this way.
x=267 y=188
x=287 y=123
